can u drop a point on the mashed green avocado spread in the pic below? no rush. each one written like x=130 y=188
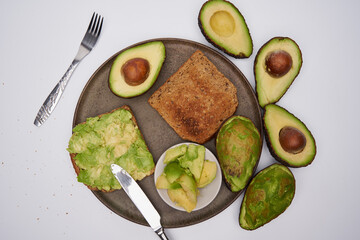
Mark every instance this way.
x=112 y=138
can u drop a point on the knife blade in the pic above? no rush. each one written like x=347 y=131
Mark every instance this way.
x=138 y=197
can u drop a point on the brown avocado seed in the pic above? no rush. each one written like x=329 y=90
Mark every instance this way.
x=135 y=71
x=292 y=140
x=278 y=63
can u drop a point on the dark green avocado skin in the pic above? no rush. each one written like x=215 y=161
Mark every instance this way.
x=272 y=151
x=240 y=55
x=256 y=61
x=229 y=162
x=255 y=178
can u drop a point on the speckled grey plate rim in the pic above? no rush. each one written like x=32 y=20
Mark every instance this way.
x=96 y=98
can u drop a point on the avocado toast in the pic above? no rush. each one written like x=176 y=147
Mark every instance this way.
x=112 y=137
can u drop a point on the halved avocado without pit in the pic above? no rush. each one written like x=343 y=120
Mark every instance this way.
x=277 y=64
x=136 y=69
x=289 y=140
x=224 y=26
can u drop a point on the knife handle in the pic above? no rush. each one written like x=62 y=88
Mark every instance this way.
x=160 y=232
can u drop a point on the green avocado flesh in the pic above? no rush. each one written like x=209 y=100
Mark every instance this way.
x=163 y=183
x=173 y=171
x=208 y=174
x=185 y=171
x=274 y=77
x=188 y=183
x=102 y=141
x=181 y=198
x=193 y=160
x=238 y=145
x=268 y=195
x=277 y=118
x=174 y=153
x=152 y=53
x=223 y=26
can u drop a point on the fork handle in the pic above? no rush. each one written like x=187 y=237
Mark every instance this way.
x=51 y=101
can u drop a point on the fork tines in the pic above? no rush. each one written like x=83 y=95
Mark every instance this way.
x=95 y=24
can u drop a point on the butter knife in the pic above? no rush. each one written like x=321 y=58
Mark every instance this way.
x=139 y=198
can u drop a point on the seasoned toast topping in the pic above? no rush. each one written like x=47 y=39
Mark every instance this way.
x=109 y=138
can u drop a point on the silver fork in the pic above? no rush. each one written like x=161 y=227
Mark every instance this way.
x=91 y=36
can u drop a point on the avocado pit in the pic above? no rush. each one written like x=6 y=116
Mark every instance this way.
x=222 y=23
x=135 y=71
x=278 y=63
x=292 y=140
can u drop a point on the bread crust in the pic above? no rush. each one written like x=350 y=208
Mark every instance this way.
x=72 y=155
x=196 y=99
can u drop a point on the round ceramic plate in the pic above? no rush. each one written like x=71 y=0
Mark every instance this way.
x=206 y=195
x=97 y=98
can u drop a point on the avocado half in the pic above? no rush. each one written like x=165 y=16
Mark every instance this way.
x=136 y=69
x=223 y=25
x=277 y=64
x=238 y=146
x=289 y=140
x=268 y=195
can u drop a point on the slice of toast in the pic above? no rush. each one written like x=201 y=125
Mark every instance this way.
x=77 y=168
x=196 y=99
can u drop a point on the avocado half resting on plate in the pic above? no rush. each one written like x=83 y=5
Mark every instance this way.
x=238 y=145
x=277 y=64
x=136 y=69
x=289 y=140
x=223 y=26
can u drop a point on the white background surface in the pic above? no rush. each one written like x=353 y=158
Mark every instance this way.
x=40 y=197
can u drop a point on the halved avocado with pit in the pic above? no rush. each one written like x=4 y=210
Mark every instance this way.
x=289 y=140
x=136 y=69
x=277 y=64
x=223 y=25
